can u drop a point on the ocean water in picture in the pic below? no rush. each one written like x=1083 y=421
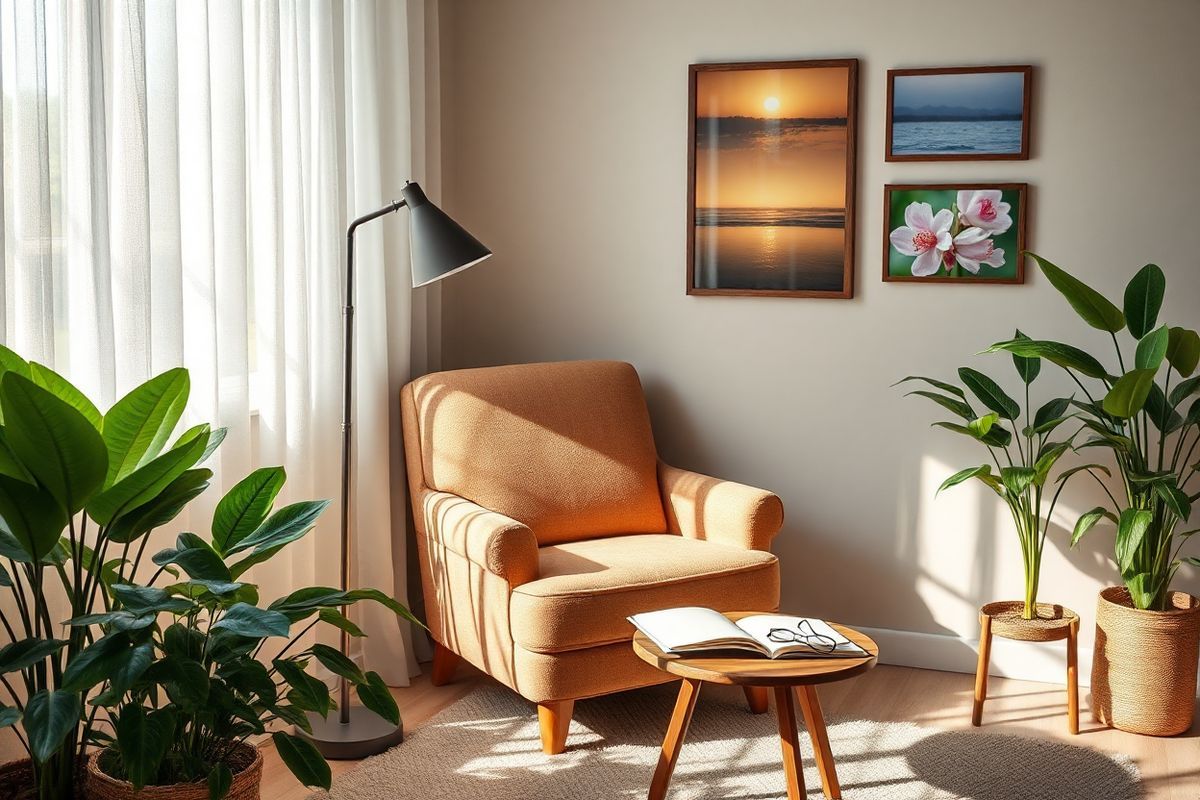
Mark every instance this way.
x=956 y=136
x=770 y=248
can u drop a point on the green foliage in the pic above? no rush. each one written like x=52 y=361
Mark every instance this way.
x=1023 y=463
x=1139 y=418
x=166 y=654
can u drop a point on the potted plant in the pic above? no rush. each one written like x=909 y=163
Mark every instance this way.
x=1147 y=635
x=80 y=492
x=1023 y=461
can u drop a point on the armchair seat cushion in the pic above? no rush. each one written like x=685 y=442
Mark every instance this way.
x=586 y=589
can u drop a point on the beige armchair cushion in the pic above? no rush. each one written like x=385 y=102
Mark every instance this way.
x=565 y=448
x=585 y=590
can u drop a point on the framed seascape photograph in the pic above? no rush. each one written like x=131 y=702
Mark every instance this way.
x=771 y=161
x=954 y=232
x=958 y=114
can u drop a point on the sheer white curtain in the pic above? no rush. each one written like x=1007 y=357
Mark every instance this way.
x=177 y=178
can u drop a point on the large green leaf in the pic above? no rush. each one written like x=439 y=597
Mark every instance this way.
x=220 y=778
x=162 y=508
x=1088 y=520
x=1141 y=589
x=387 y=601
x=1161 y=412
x=1064 y=355
x=11 y=362
x=96 y=662
x=952 y=404
x=1089 y=304
x=144 y=599
x=1174 y=498
x=1046 y=460
x=307 y=692
x=53 y=441
x=121 y=620
x=66 y=391
x=33 y=517
x=127 y=670
x=1028 y=368
x=27 y=652
x=49 y=718
x=9 y=716
x=1052 y=410
x=195 y=557
x=138 y=425
x=1131 y=530
x=147 y=481
x=949 y=388
x=1183 y=350
x=244 y=619
x=10 y=465
x=285 y=525
x=375 y=697
x=337 y=663
x=1152 y=349
x=965 y=475
x=1128 y=395
x=142 y=741
x=989 y=393
x=339 y=620
x=1017 y=479
x=186 y=681
x=1143 y=299
x=996 y=436
x=1185 y=389
x=302 y=759
x=245 y=506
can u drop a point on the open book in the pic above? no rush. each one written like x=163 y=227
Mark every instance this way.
x=692 y=630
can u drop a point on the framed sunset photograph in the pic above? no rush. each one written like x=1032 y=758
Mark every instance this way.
x=958 y=113
x=771 y=164
x=954 y=232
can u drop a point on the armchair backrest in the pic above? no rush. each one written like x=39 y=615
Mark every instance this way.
x=565 y=448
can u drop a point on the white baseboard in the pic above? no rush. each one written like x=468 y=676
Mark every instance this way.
x=1029 y=661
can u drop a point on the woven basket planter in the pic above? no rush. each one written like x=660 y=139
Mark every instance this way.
x=246 y=763
x=1144 y=666
x=16 y=780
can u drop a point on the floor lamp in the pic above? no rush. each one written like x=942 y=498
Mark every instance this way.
x=440 y=247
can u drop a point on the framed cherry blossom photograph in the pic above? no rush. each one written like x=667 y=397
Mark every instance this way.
x=954 y=233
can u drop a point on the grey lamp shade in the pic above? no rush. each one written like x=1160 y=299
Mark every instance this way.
x=440 y=246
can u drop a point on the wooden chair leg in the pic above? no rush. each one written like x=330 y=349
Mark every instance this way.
x=555 y=720
x=444 y=662
x=981 y=671
x=789 y=742
x=757 y=697
x=810 y=707
x=685 y=704
x=1073 y=677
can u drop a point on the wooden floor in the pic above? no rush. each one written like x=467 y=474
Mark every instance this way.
x=1170 y=767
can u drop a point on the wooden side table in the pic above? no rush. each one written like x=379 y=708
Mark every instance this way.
x=782 y=676
x=1051 y=624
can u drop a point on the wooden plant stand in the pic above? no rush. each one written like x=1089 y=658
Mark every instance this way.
x=1051 y=624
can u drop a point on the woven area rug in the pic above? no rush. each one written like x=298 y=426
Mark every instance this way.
x=486 y=746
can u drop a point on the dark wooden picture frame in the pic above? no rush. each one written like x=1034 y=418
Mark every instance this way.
x=1025 y=70
x=846 y=289
x=1021 y=190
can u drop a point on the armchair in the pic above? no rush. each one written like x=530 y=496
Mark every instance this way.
x=544 y=518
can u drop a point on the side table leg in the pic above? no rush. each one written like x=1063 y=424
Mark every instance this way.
x=810 y=706
x=789 y=742
x=981 y=671
x=685 y=704
x=1073 y=677
x=756 y=698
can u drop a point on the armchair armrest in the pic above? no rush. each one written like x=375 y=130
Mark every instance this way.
x=492 y=541
x=702 y=507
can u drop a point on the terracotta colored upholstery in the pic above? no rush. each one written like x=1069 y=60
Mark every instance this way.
x=544 y=519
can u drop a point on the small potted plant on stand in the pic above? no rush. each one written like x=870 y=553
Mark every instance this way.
x=1147 y=636
x=1023 y=463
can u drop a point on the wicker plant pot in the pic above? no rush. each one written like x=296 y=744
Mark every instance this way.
x=245 y=762
x=16 y=780
x=1144 y=667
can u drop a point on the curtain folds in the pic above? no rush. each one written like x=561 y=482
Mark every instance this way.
x=177 y=178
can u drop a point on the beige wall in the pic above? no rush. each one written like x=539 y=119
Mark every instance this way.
x=565 y=128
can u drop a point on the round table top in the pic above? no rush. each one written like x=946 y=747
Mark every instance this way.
x=759 y=671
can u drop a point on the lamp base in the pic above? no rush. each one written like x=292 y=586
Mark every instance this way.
x=366 y=734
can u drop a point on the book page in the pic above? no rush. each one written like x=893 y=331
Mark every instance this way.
x=758 y=626
x=690 y=628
